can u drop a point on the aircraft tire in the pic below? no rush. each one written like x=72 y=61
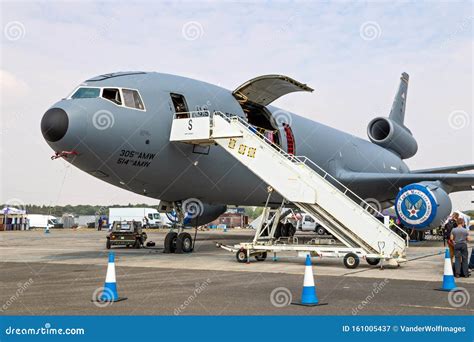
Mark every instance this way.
x=351 y=260
x=170 y=242
x=184 y=243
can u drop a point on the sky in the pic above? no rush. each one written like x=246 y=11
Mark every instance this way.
x=351 y=53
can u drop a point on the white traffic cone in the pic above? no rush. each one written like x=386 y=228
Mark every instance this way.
x=109 y=291
x=309 y=296
x=448 y=277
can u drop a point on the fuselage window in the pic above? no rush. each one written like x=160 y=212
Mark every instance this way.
x=86 y=93
x=132 y=99
x=112 y=94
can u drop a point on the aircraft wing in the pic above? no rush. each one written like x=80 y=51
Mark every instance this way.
x=457 y=182
x=446 y=169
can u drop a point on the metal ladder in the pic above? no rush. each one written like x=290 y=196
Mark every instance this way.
x=299 y=180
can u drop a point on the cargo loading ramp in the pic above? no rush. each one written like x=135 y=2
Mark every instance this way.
x=349 y=218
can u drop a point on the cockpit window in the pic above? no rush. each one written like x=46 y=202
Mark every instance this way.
x=112 y=94
x=131 y=98
x=86 y=93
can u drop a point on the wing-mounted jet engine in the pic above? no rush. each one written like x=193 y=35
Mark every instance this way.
x=422 y=206
x=391 y=133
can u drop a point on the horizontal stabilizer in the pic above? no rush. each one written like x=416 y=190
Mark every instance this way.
x=446 y=169
x=457 y=182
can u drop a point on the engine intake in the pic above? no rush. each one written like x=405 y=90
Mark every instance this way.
x=392 y=136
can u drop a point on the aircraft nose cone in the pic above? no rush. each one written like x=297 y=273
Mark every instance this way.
x=54 y=124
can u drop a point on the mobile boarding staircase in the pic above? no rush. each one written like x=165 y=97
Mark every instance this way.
x=349 y=218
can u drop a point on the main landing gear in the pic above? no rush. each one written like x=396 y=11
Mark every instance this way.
x=178 y=242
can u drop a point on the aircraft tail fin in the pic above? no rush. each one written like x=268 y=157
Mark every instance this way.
x=397 y=113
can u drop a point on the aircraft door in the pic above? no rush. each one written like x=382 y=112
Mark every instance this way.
x=179 y=103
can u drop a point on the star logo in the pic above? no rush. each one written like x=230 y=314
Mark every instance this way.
x=413 y=209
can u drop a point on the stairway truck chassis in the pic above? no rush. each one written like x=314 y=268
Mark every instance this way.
x=304 y=184
x=244 y=251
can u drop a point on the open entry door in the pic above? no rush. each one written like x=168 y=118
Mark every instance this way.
x=263 y=90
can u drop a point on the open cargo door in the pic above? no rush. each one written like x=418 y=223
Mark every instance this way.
x=265 y=89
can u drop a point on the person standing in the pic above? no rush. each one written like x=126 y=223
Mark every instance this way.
x=448 y=227
x=460 y=236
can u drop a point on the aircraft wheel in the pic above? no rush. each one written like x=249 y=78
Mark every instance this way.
x=184 y=243
x=351 y=260
x=241 y=255
x=108 y=244
x=373 y=261
x=170 y=242
x=261 y=257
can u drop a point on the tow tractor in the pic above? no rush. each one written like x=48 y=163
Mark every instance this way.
x=126 y=233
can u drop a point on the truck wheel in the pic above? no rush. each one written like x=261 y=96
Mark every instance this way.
x=170 y=242
x=351 y=260
x=108 y=244
x=372 y=261
x=261 y=257
x=184 y=243
x=137 y=244
x=320 y=230
x=241 y=255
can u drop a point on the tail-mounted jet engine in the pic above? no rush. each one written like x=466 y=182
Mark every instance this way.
x=422 y=205
x=388 y=134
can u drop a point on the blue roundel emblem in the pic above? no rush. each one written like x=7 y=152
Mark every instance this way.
x=416 y=206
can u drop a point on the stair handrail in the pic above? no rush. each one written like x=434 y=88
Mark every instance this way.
x=303 y=160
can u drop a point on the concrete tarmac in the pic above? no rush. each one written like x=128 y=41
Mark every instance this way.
x=58 y=274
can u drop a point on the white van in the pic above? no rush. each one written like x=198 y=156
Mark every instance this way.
x=41 y=221
x=149 y=217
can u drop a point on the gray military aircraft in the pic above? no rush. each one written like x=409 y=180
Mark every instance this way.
x=116 y=127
